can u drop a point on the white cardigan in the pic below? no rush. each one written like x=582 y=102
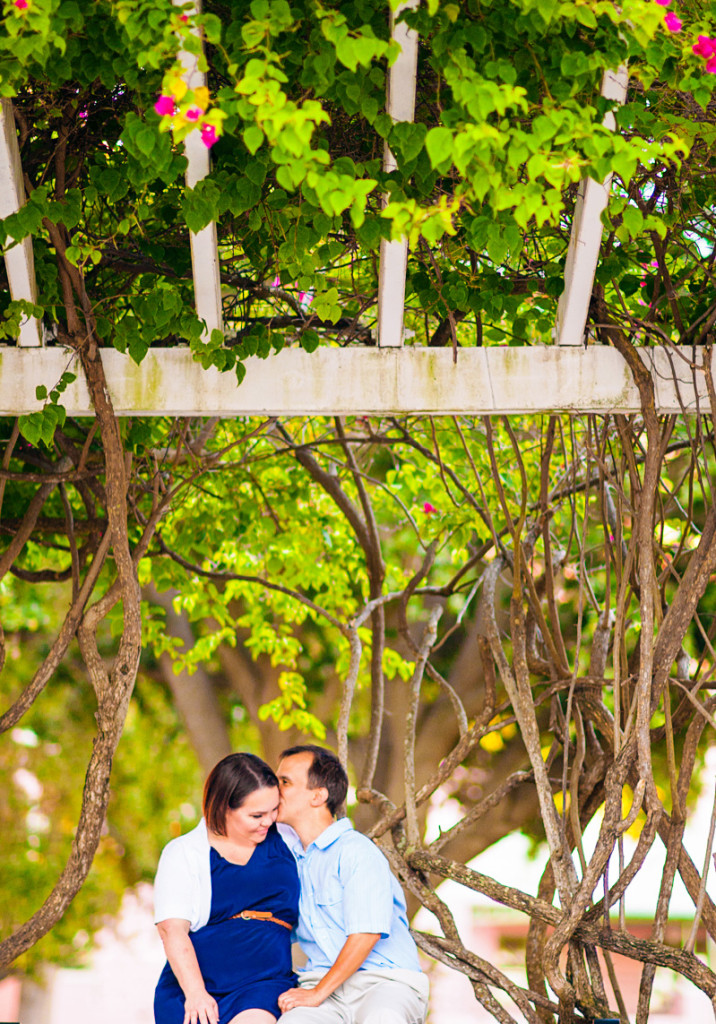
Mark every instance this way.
x=182 y=887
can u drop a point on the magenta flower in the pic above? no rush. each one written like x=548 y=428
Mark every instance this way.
x=711 y=66
x=705 y=47
x=22 y=5
x=193 y=114
x=672 y=22
x=208 y=135
x=184 y=18
x=163 y=106
x=663 y=3
x=429 y=509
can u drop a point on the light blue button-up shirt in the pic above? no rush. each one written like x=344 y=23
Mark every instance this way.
x=347 y=887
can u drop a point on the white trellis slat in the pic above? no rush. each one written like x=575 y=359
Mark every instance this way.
x=586 y=234
x=204 y=243
x=19 y=262
x=400 y=105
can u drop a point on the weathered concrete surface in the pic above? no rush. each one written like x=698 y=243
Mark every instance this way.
x=364 y=381
x=19 y=260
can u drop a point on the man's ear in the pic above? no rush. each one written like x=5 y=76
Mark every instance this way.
x=319 y=796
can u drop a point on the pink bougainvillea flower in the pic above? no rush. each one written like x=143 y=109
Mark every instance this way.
x=672 y=22
x=429 y=509
x=21 y=5
x=711 y=66
x=305 y=298
x=193 y=114
x=208 y=135
x=165 y=105
x=663 y=3
x=705 y=47
x=184 y=18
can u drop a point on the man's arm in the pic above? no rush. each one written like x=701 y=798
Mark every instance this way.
x=355 y=949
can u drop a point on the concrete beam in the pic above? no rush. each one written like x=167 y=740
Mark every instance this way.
x=586 y=235
x=400 y=104
x=204 y=243
x=362 y=381
x=19 y=260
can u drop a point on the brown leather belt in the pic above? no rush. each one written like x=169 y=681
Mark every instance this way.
x=261 y=915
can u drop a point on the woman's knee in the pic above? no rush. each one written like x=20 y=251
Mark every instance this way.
x=253 y=1017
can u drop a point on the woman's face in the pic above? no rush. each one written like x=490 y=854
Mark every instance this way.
x=250 y=822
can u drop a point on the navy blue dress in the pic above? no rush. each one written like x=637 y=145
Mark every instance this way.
x=245 y=964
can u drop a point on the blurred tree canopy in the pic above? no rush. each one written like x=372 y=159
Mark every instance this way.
x=516 y=613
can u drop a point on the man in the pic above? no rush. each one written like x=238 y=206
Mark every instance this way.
x=362 y=961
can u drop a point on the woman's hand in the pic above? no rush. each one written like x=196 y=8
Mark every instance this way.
x=200 y=1008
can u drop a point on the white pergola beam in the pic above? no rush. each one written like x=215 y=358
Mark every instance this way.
x=586 y=234
x=400 y=105
x=364 y=381
x=204 y=243
x=19 y=262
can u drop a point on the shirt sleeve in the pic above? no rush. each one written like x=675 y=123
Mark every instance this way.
x=367 y=888
x=175 y=890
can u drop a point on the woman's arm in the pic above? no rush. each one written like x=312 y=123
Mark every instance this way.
x=199 y=1006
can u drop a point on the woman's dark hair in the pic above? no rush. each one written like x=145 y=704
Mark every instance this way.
x=325 y=772
x=228 y=785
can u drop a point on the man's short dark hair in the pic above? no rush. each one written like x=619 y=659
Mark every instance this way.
x=228 y=785
x=325 y=772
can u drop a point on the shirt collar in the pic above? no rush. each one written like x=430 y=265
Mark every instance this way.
x=332 y=833
x=329 y=835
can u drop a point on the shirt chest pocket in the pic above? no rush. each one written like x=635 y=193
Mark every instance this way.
x=329 y=898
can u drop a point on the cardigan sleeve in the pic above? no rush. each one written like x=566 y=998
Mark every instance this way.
x=182 y=886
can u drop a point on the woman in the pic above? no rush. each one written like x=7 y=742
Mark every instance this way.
x=226 y=899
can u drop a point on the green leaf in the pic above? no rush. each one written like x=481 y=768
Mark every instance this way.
x=438 y=143
x=253 y=138
x=146 y=139
x=310 y=340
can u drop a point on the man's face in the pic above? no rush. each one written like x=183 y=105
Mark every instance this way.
x=296 y=797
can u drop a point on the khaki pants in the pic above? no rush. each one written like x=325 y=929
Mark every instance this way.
x=368 y=997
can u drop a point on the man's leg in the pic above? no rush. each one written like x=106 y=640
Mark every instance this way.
x=383 y=1000
x=329 y=1012
x=332 y=1010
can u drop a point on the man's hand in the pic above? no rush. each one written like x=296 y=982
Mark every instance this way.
x=299 y=997
x=355 y=949
x=200 y=1008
